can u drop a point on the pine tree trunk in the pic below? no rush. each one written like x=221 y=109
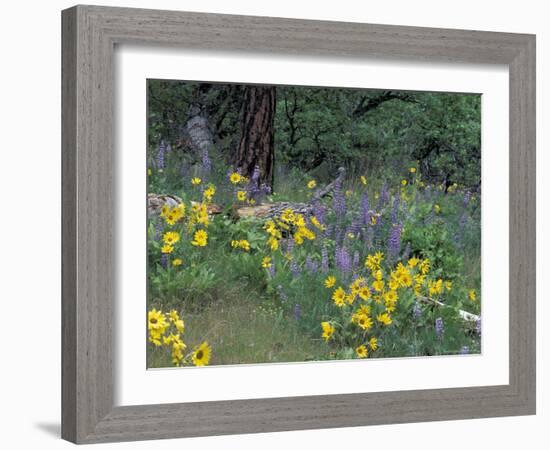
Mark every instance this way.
x=257 y=133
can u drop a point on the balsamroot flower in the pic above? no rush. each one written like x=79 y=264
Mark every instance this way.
x=201 y=355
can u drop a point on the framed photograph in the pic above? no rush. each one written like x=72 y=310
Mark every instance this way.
x=279 y=224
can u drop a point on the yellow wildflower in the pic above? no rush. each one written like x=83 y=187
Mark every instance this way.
x=339 y=296
x=180 y=326
x=361 y=351
x=201 y=355
x=435 y=287
x=171 y=237
x=288 y=216
x=384 y=319
x=311 y=184
x=390 y=296
x=241 y=196
x=200 y=238
x=472 y=295
x=412 y=170
x=363 y=180
x=315 y=222
x=425 y=266
x=196 y=181
x=373 y=343
x=404 y=182
x=266 y=262
x=350 y=298
x=364 y=293
x=209 y=193
x=378 y=285
x=235 y=178
x=173 y=315
x=373 y=261
x=299 y=220
x=413 y=262
x=328 y=330
x=330 y=282
x=437 y=208
x=166 y=248
x=273 y=243
x=364 y=321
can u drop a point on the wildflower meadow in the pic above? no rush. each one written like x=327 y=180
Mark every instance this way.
x=291 y=224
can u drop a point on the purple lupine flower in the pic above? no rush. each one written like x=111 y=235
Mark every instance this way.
x=365 y=211
x=164 y=260
x=439 y=327
x=394 y=241
x=319 y=211
x=384 y=196
x=395 y=209
x=339 y=200
x=289 y=246
x=159 y=228
x=297 y=311
x=271 y=270
x=160 y=155
x=343 y=259
x=368 y=237
x=465 y=350
x=355 y=227
x=324 y=260
x=478 y=327
x=206 y=163
x=294 y=269
x=255 y=176
x=459 y=238
x=377 y=232
x=309 y=265
x=416 y=311
x=329 y=231
x=253 y=187
x=265 y=189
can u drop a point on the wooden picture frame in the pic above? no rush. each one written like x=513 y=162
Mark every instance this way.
x=89 y=34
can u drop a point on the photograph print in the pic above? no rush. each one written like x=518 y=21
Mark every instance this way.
x=294 y=224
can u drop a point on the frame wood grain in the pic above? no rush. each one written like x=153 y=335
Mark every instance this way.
x=89 y=34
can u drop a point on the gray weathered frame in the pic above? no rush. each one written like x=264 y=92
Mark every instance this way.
x=89 y=35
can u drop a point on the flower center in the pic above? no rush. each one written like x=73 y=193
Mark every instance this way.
x=199 y=354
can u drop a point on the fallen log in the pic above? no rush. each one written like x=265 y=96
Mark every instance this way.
x=155 y=202
x=465 y=315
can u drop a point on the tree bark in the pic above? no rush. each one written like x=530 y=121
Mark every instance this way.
x=257 y=133
x=197 y=127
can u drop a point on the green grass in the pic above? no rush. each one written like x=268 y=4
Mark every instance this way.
x=242 y=331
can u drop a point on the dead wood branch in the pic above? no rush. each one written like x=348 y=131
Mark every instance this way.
x=465 y=315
